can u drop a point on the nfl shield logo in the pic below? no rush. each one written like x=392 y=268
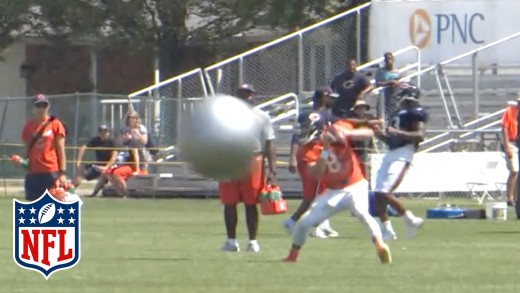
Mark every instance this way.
x=46 y=234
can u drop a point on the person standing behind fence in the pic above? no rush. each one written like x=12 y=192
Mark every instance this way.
x=388 y=78
x=351 y=86
x=44 y=139
x=509 y=146
x=139 y=135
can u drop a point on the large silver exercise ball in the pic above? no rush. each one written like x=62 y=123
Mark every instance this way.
x=220 y=136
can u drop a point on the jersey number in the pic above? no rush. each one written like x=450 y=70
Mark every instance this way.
x=333 y=163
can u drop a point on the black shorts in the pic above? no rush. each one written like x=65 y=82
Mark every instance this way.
x=36 y=184
x=91 y=173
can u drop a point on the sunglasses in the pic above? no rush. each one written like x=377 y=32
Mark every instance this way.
x=41 y=105
x=132 y=117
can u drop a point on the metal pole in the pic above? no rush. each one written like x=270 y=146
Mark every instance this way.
x=4 y=115
x=475 y=84
x=112 y=115
x=358 y=37
x=443 y=97
x=240 y=73
x=300 y=64
x=4 y=175
x=452 y=97
x=419 y=60
x=312 y=66
x=76 y=130
x=203 y=84
x=93 y=99
x=179 y=113
x=157 y=102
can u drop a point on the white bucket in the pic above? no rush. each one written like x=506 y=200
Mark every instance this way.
x=496 y=211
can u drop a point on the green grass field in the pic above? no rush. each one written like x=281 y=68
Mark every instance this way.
x=173 y=246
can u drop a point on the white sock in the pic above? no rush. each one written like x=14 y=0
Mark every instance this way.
x=325 y=225
x=409 y=215
x=232 y=241
x=387 y=225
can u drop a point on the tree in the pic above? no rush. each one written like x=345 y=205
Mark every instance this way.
x=173 y=28
x=16 y=19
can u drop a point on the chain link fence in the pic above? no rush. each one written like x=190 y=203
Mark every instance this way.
x=81 y=114
x=171 y=101
x=299 y=62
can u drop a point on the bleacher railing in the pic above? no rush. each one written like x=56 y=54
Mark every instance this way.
x=297 y=62
x=453 y=107
x=281 y=111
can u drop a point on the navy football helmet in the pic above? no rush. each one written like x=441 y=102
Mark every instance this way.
x=311 y=125
x=407 y=90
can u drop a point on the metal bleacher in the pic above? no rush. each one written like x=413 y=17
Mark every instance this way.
x=449 y=94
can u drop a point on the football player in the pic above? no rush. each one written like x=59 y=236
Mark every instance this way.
x=331 y=159
x=322 y=100
x=402 y=136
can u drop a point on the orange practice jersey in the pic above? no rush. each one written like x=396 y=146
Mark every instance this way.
x=43 y=157
x=343 y=168
x=509 y=122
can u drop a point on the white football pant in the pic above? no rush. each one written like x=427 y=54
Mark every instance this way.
x=352 y=198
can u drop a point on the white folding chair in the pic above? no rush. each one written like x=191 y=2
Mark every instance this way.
x=484 y=183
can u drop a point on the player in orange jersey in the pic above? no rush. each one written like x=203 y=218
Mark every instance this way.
x=322 y=100
x=332 y=160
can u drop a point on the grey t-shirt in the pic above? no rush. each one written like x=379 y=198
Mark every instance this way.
x=266 y=130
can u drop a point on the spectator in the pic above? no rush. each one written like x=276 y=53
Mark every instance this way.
x=106 y=155
x=139 y=134
x=351 y=86
x=119 y=174
x=509 y=145
x=388 y=78
x=44 y=139
x=246 y=190
x=362 y=119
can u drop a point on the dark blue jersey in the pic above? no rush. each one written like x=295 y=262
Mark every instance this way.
x=405 y=119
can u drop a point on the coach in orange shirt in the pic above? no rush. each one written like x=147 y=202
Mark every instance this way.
x=509 y=145
x=246 y=190
x=44 y=139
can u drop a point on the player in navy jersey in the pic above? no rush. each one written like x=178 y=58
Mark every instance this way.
x=402 y=136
